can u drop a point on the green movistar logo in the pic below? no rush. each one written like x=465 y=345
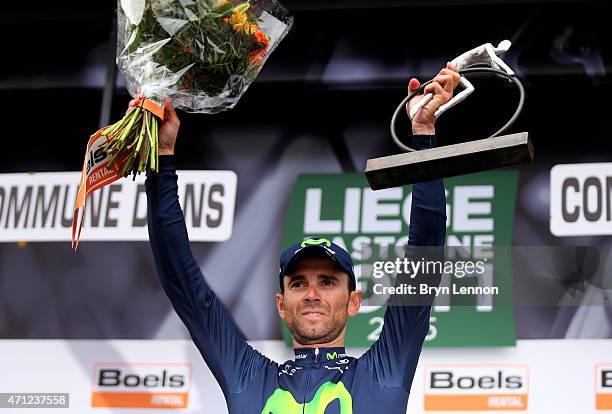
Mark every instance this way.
x=282 y=402
x=315 y=242
x=331 y=355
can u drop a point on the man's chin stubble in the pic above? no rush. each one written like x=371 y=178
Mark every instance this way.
x=303 y=337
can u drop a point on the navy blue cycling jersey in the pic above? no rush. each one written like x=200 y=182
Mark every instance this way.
x=318 y=380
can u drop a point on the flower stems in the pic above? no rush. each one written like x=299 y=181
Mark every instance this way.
x=134 y=143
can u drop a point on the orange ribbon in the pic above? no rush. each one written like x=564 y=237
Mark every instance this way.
x=154 y=108
x=97 y=172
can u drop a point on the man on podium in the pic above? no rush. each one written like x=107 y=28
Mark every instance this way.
x=318 y=293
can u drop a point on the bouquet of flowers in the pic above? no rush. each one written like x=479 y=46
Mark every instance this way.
x=202 y=54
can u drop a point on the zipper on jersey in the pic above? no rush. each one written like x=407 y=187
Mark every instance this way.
x=316 y=361
x=306 y=390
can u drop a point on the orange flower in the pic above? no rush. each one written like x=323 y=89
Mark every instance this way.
x=253 y=29
x=238 y=18
x=261 y=37
x=240 y=23
x=257 y=56
x=246 y=28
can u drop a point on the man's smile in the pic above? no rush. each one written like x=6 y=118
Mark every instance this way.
x=311 y=313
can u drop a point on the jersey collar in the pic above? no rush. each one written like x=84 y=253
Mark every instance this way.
x=321 y=355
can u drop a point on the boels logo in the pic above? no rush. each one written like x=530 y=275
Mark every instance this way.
x=476 y=387
x=603 y=387
x=122 y=385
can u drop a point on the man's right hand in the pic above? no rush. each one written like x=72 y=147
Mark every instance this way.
x=442 y=88
x=169 y=127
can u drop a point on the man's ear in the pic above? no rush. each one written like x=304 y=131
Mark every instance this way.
x=280 y=305
x=354 y=302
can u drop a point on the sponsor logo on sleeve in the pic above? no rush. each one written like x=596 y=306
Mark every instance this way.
x=476 y=387
x=120 y=385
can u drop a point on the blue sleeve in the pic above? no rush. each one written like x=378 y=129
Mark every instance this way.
x=394 y=356
x=231 y=359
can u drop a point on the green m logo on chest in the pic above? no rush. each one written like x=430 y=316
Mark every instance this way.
x=283 y=402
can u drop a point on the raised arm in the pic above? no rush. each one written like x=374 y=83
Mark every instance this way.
x=394 y=356
x=232 y=361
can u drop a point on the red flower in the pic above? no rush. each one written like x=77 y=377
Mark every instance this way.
x=261 y=38
x=186 y=50
x=257 y=56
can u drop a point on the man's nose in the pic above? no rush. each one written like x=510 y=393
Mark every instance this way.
x=312 y=294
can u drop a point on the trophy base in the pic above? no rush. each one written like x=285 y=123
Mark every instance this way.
x=447 y=161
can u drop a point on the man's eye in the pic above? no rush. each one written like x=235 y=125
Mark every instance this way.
x=297 y=284
x=328 y=283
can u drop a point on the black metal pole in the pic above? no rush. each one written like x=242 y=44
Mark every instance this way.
x=111 y=77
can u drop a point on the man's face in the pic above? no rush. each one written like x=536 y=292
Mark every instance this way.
x=317 y=302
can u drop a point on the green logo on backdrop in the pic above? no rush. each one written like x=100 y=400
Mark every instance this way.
x=480 y=211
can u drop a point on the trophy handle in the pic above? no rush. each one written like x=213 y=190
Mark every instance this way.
x=458 y=159
x=401 y=107
x=469 y=88
x=485 y=54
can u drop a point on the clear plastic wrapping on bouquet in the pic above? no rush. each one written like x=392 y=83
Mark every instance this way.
x=202 y=54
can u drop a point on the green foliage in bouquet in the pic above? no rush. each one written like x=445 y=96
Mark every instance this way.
x=221 y=39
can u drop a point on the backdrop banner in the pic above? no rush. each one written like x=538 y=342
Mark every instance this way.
x=37 y=207
x=480 y=213
x=151 y=376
